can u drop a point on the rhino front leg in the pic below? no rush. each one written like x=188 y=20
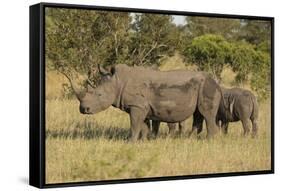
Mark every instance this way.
x=144 y=132
x=137 y=118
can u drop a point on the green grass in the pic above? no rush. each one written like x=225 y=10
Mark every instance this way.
x=84 y=148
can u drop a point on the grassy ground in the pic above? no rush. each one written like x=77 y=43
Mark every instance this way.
x=87 y=148
x=84 y=148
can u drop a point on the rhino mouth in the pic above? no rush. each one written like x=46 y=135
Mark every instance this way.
x=87 y=113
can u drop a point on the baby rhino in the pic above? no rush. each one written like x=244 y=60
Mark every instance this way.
x=241 y=105
x=238 y=105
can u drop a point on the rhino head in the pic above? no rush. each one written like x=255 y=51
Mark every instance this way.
x=93 y=100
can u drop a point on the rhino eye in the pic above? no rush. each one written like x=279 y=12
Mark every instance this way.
x=99 y=94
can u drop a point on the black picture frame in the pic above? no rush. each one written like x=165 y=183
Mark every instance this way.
x=37 y=95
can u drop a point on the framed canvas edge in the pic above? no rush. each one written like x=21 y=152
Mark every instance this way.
x=157 y=179
x=272 y=95
x=157 y=11
x=38 y=88
x=36 y=109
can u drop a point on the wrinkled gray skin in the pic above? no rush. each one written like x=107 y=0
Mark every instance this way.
x=241 y=105
x=170 y=96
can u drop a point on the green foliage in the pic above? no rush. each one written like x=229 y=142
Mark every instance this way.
x=255 y=31
x=242 y=58
x=153 y=38
x=249 y=62
x=261 y=76
x=212 y=52
x=264 y=46
x=81 y=39
x=209 y=52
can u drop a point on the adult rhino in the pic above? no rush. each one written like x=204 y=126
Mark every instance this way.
x=147 y=94
x=237 y=105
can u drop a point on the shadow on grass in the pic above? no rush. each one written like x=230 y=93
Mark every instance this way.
x=92 y=131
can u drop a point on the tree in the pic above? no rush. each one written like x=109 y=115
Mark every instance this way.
x=197 y=26
x=261 y=75
x=255 y=31
x=210 y=53
x=151 y=39
x=242 y=57
x=81 y=39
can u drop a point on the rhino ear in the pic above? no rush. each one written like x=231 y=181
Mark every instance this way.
x=112 y=70
x=103 y=71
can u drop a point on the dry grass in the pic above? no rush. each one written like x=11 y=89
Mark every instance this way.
x=54 y=85
x=87 y=148
x=176 y=62
x=84 y=148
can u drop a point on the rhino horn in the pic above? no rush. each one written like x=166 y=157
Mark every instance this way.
x=76 y=90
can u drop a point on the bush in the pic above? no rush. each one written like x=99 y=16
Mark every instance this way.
x=242 y=57
x=210 y=53
x=261 y=76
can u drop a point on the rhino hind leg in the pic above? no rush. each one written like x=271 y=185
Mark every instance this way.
x=197 y=123
x=254 y=127
x=246 y=123
x=209 y=110
x=155 y=128
x=200 y=126
x=208 y=104
x=211 y=126
x=224 y=127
